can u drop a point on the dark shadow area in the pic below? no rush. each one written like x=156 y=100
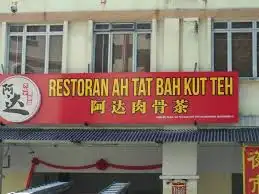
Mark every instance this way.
x=92 y=183
x=237 y=183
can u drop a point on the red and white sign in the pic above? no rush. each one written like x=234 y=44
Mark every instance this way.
x=251 y=169
x=120 y=98
x=19 y=99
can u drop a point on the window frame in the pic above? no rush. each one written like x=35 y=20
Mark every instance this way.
x=229 y=30
x=24 y=35
x=135 y=32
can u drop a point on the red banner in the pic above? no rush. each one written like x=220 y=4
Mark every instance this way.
x=120 y=98
x=251 y=169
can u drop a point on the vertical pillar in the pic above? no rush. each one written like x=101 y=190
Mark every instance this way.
x=90 y=46
x=160 y=45
x=65 y=47
x=179 y=163
x=153 y=57
x=190 y=43
x=180 y=44
x=203 y=42
x=78 y=47
x=3 y=49
x=209 y=46
x=171 y=45
x=205 y=57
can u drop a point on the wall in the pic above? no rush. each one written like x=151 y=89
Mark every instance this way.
x=14 y=181
x=179 y=159
x=79 y=5
x=219 y=159
x=194 y=48
x=187 y=45
x=211 y=4
x=70 y=5
x=215 y=183
x=197 y=49
x=83 y=155
x=216 y=163
x=78 y=39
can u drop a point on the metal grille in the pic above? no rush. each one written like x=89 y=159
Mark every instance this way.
x=116 y=188
x=179 y=188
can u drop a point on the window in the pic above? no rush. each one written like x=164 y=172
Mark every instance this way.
x=235 y=47
x=35 y=48
x=122 y=47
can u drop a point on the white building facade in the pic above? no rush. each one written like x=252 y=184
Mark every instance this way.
x=157 y=36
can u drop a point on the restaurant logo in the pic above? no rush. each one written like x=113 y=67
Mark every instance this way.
x=19 y=99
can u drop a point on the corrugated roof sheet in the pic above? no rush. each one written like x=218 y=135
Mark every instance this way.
x=132 y=135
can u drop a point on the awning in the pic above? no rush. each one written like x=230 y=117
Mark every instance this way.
x=237 y=135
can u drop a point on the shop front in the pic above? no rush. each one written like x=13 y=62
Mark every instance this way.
x=145 y=128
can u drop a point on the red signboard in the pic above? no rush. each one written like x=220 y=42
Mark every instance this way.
x=120 y=98
x=251 y=169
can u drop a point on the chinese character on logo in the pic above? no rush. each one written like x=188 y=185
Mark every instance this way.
x=13 y=99
x=255 y=181
x=159 y=106
x=26 y=93
x=97 y=106
x=254 y=159
x=181 y=106
x=118 y=107
x=139 y=106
